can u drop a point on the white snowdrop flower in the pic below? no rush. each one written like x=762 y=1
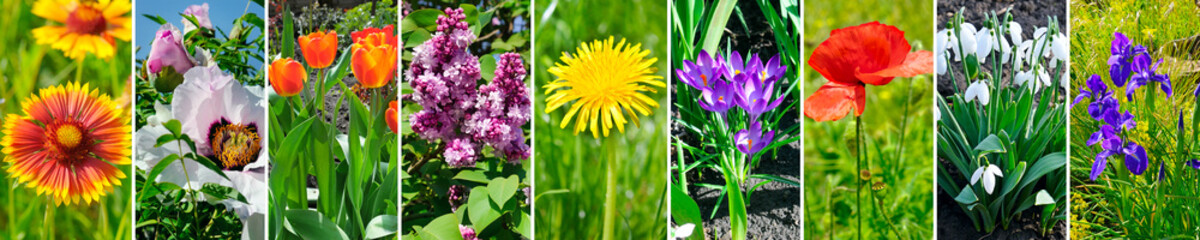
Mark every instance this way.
x=1061 y=47
x=1022 y=78
x=939 y=50
x=684 y=231
x=1043 y=77
x=1040 y=44
x=1005 y=49
x=988 y=174
x=966 y=41
x=979 y=91
x=984 y=44
x=1014 y=31
x=1023 y=54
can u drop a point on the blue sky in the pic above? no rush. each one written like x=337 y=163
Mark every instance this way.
x=221 y=12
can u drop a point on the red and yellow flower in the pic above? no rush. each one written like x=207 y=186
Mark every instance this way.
x=319 y=48
x=374 y=56
x=871 y=53
x=68 y=143
x=391 y=116
x=287 y=77
x=86 y=26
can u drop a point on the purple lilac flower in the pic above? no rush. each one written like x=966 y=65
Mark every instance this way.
x=467 y=232
x=501 y=108
x=457 y=111
x=458 y=196
x=750 y=141
x=754 y=97
x=704 y=72
x=528 y=195
x=460 y=152
x=1145 y=74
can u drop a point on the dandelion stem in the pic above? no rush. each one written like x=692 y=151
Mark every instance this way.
x=610 y=189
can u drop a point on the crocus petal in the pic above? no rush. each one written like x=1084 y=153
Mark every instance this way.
x=833 y=100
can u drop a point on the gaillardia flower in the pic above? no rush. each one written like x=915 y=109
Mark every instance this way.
x=67 y=143
x=871 y=53
x=606 y=80
x=87 y=26
x=374 y=56
x=287 y=77
x=319 y=48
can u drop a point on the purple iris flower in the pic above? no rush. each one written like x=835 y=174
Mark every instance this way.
x=1145 y=74
x=704 y=72
x=754 y=96
x=1122 y=51
x=719 y=98
x=1135 y=158
x=750 y=141
x=1162 y=172
x=1098 y=90
x=1194 y=163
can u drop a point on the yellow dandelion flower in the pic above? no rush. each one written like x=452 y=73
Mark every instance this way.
x=68 y=143
x=609 y=81
x=88 y=26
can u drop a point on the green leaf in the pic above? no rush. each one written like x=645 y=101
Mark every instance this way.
x=288 y=48
x=990 y=144
x=441 y=228
x=1043 y=198
x=381 y=226
x=739 y=222
x=482 y=210
x=487 y=66
x=309 y=224
x=160 y=166
x=966 y=196
x=971 y=66
x=174 y=126
x=207 y=163
x=716 y=26
x=502 y=189
x=156 y=19
x=684 y=209
x=470 y=175
x=425 y=19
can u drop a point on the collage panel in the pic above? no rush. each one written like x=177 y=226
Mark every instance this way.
x=332 y=70
x=465 y=112
x=66 y=134
x=1002 y=92
x=201 y=120
x=867 y=120
x=735 y=130
x=600 y=102
x=1134 y=119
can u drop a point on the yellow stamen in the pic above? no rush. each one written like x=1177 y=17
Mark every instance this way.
x=68 y=136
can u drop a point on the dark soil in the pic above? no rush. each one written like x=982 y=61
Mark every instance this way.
x=1029 y=13
x=774 y=208
x=954 y=224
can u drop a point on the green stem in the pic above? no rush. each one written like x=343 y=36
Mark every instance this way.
x=320 y=94
x=188 y=178
x=610 y=189
x=858 y=162
x=79 y=70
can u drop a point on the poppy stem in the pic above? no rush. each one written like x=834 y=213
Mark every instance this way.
x=858 y=162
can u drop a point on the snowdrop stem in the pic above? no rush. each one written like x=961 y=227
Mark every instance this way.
x=610 y=188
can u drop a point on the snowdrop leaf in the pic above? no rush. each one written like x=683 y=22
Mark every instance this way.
x=991 y=144
x=966 y=196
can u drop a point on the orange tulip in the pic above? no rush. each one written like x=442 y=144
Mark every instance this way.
x=374 y=59
x=287 y=77
x=319 y=48
x=391 y=115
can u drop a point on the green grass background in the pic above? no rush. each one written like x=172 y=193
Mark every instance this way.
x=26 y=67
x=565 y=161
x=830 y=171
x=1129 y=206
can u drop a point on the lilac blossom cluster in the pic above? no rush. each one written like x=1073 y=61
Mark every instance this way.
x=458 y=196
x=727 y=83
x=1129 y=65
x=444 y=77
x=468 y=233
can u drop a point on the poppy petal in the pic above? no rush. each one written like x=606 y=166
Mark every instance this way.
x=833 y=100
x=915 y=63
x=869 y=47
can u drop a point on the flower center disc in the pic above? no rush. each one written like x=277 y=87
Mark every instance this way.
x=234 y=145
x=68 y=141
x=86 y=20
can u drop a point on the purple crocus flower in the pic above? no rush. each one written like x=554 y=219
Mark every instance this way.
x=772 y=71
x=719 y=98
x=702 y=73
x=754 y=96
x=1145 y=74
x=1135 y=158
x=750 y=141
x=737 y=66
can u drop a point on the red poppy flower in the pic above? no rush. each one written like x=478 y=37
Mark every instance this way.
x=871 y=53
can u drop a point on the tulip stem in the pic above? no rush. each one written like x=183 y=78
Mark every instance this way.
x=320 y=95
x=610 y=189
